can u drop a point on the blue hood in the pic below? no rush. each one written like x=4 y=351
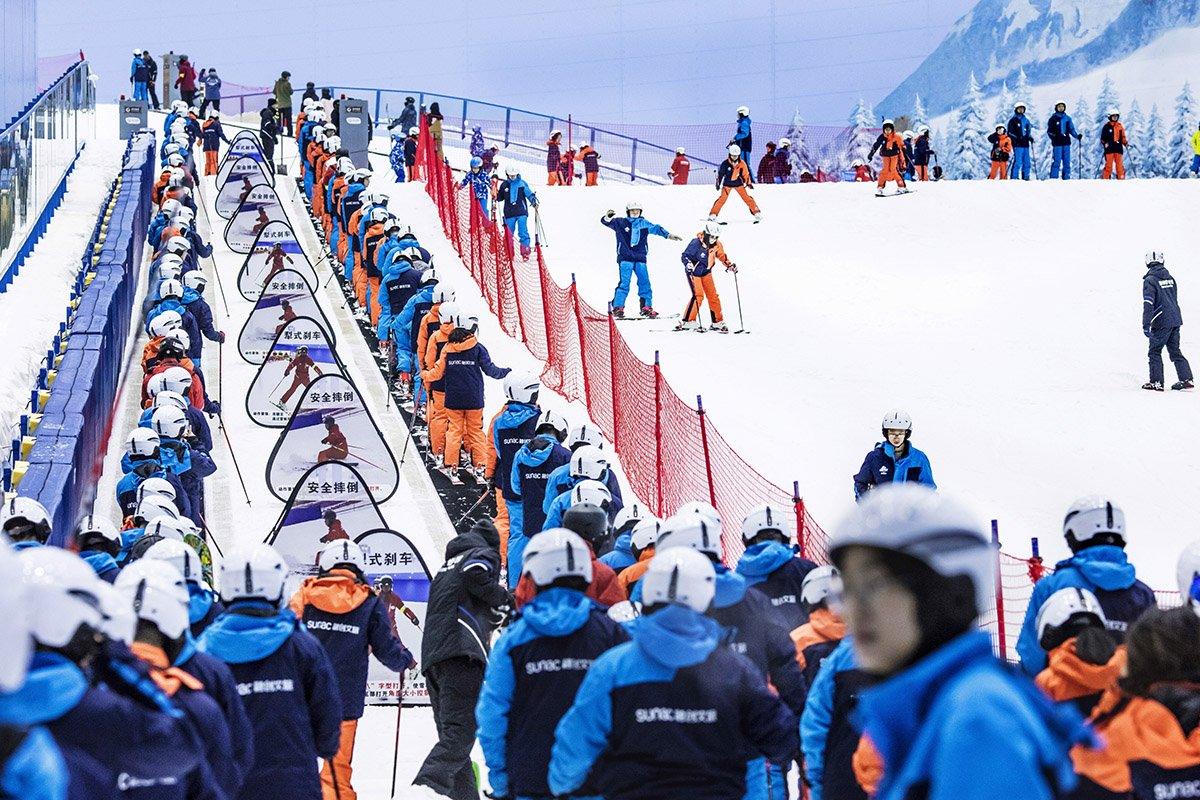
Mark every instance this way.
x=239 y=638
x=537 y=451
x=1105 y=565
x=676 y=636
x=762 y=559
x=514 y=414
x=25 y=544
x=557 y=612
x=731 y=587
x=128 y=465
x=624 y=544
x=200 y=600
x=190 y=295
x=99 y=561
x=53 y=687
x=187 y=651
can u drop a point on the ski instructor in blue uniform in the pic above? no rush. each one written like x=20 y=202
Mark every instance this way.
x=1161 y=321
x=893 y=460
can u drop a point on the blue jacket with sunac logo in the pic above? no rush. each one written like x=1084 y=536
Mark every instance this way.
x=1160 y=300
x=776 y=570
x=531 y=680
x=671 y=714
x=511 y=431
x=220 y=685
x=532 y=467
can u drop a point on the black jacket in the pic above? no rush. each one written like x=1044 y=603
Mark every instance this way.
x=1160 y=300
x=466 y=602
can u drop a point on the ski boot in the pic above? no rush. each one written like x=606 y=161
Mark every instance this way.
x=719 y=327
x=649 y=313
x=1152 y=386
x=694 y=325
x=1180 y=385
x=619 y=312
x=758 y=218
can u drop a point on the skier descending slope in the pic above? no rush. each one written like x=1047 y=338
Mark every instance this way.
x=633 y=245
x=672 y=714
x=517 y=197
x=891 y=147
x=1161 y=321
x=734 y=175
x=699 y=258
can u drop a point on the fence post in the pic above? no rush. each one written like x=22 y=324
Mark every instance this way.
x=612 y=379
x=507 y=124
x=464 y=119
x=633 y=160
x=1001 y=633
x=798 y=504
x=582 y=341
x=712 y=492
x=378 y=104
x=658 y=449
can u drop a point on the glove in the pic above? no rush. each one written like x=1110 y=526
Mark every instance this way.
x=609 y=214
x=212 y=408
x=731 y=267
x=1095 y=646
x=220 y=337
x=675 y=237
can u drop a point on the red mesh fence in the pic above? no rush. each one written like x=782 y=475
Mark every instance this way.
x=670 y=450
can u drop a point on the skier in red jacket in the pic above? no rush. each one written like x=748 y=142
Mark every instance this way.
x=301 y=363
x=680 y=168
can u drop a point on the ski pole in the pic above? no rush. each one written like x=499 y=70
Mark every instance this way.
x=360 y=458
x=216 y=272
x=407 y=439
x=220 y=365
x=208 y=535
x=474 y=506
x=538 y=229
x=396 y=748
x=738 y=291
x=233 y=457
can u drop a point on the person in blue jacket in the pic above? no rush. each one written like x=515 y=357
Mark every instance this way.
x=517 y=197
x=742 y=137
x=139 y=76
x=99 y=542
x=396 y=155
x=170 y=293
x=510 y=430
x=351 y=623
x=406 y=327
x=772 y=564
x=829 y=734
x=538 y=664
x=672 y=714
x=752 y=629
x=203 y=605
x=1060 y=128
x=141 y=461
x=200 y=437
x=401 y=280
x=31 y=765
x=193 y=300
x=1161 y=321
x=1094 y=528
x=102 y=709
x=1020 y=131
x=622 y=555
x=177 y=456
x=562 y=481
x=532 y=466
x=633 y=247
x=290 y=689
x=894 y=460
x=948 y=718
x=481 y=186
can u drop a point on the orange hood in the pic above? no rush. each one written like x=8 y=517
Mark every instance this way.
x=1067 y=676
x=338 y=592
x=169 y=679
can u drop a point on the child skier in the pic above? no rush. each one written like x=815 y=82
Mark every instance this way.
x=532 y=467
x=510 y=430
x=1083 y=661
x=772 y=565
x=213 y=134
x=517 y=197
x=1112 y=136
x=481 y=186
x=591 y=164
x=351 y=622
x=922 y=152
x=824 y=630
x=1161 y=321
x=435 y=404
x=554 y=159
x=1001 y=153
x=633 y=245
x=734 y=175
x=701 y=255
x=891 y=147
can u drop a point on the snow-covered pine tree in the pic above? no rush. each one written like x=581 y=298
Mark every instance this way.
x=919 y=116
x=943 y=145
x=1179 y=146
x=1004 y=107
x=1135 y=130
x=862 y=121
x=971 y=149
x=1090 y=153
x=800 y=157
x=1155 y=161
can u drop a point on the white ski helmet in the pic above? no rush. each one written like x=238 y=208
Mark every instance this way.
x=521 y=387
x=908 y=134
x=92 y=527
x=14 y=622
x=175 y=160
x=1092 y=517
x=594 y=492
x=165 y=322
x=1187 y=573
x=700 y=508
x=23 y=517
x=179 y=555
x=342 y=552
x=1112 y=111
x=589 y=462
x=177 y=379
x=141 y=442
x=169 y=422
x=679 y=151
x=557 y=553
x=897 y=421
x=927 y=525
x=443 y=294
x=554 y=421
x=154 y=507
x=254 y=572
x=379 y=214
x=734 y=151
x=180 y=337
x=712 y=230
x=690 y=530
x=1019 y=105
x=171 y=526
x=447 y=313
x=818 y=584
x=158 y=594
x=587 y=433
x=468 y=322
x=156 y=487
x=117 y=620
x=170 y=268
x=889 y=123
x=195 y=280
x=170 y=288
x=743 y=111
x=414 y=131
x=1155 y=257
x=645 y=533
x=60 y=595
x=171 y=206
x=512 y=171
x=632 y=204
x=1064 y=613
x=766 y=518
x=680 y=576
x=629 y=515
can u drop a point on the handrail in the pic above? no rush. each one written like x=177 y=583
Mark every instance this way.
x=37 y=98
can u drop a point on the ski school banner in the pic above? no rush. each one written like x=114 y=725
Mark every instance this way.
x=286 y=297
x=332 y=423
x=300 y=353
x=244 y=175
x=260 y=207
x=276 y=247
x=401 y=578
x=244 y=144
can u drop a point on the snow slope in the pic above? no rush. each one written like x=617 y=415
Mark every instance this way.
x=1004 y=317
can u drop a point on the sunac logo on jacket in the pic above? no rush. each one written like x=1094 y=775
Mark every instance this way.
x=266 y=687
x=684 y=716
x=558 y=665
x=336 y=627
x=1176 y=790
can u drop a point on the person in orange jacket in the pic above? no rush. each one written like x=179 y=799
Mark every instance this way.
x=734 y=175
x=680 y=168
x=1112 y=136
x=641 y=543
x=891 y=146
x=824 y=630
x=554 y=159
x=436 y=404
x=1001 y=154
x=1083 y=660
x=699 y=258
x=1148 y=722
x=591 y=164
x=339 y=448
